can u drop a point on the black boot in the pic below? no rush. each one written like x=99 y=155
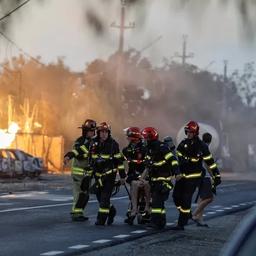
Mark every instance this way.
x=79 y=218
x=111 y=215
x=130 y=220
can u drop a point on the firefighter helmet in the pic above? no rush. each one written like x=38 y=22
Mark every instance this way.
x=133 y=133
x=104 y=127
x=149 y=133
x=88 y=125
x=192 y=127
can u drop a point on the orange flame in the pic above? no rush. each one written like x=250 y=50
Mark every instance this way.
x=8 y=136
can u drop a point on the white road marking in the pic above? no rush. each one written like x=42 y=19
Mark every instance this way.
x=227 y=208
x=101 y=241
x=121 y=236
x=216 y=206
x=51 y=253
x=139 y=231
x=211 y=212
x=6 y=204
x=234 y=206
x=243 y=204
x=52 y=205
x=169 y=223
x=219 y=210
x=79 y=246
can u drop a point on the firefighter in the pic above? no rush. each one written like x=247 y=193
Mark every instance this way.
x=80 y=170
x=106 y=161
x=134 y=154
x=161 y=166
x=169 y=142
x=191 y=152
x=205 y=190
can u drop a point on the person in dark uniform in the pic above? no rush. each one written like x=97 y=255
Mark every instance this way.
x=106 y=162
x=191 y=153
x=161 y=165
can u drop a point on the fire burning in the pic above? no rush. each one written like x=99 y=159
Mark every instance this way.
x=8 y=136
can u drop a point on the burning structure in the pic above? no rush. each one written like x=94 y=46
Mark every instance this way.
x=25 y=132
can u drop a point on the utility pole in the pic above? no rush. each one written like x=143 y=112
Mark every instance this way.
x=184 y=56
x=122 y=26
x=225 y=71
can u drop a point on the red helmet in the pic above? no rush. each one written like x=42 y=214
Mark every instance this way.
x=192 y=127
x=149 y=133
x=104 y=127
x=133 y=133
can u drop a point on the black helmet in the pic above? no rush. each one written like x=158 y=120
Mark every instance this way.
x=169 y=142
x=88 y=125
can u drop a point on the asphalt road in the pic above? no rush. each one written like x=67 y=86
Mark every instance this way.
x=38 y=222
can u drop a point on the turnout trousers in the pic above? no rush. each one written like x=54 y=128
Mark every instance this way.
x=103 y=194
x=182 y=197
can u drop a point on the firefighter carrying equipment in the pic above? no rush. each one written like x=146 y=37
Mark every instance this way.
x=162 y=165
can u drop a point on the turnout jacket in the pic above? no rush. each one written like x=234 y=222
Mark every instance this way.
x=106 y=158
x=80 y=156
x=135 y=156
x=191 y=154
x=162 y=163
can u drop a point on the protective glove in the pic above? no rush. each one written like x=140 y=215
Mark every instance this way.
x=217 y=181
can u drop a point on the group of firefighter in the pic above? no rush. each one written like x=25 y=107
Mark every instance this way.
x=152 y=167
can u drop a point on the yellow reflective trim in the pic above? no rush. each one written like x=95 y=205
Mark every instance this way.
x=76 y=170
x=175 y=162
x=104 y=210
x=162 y=179
x=94 y=156
x=105 y=156
x=84 y=148
x=168 y=155
x=85 y=155
x=178 y=153
x=156 y=210
x=207 y=157
x=159 y=163
x=77 y=210
x=217 y=175
x=120 y=167
x=75 y=152
x=170 y=186
x=195 y=175
x=213 y=166
x=118 y=155
x=194 y=159
x=185 y=210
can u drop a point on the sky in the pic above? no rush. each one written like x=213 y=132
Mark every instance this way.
x=52 y=28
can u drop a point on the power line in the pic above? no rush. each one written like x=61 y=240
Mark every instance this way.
x=18 y=7
x=25 y=53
